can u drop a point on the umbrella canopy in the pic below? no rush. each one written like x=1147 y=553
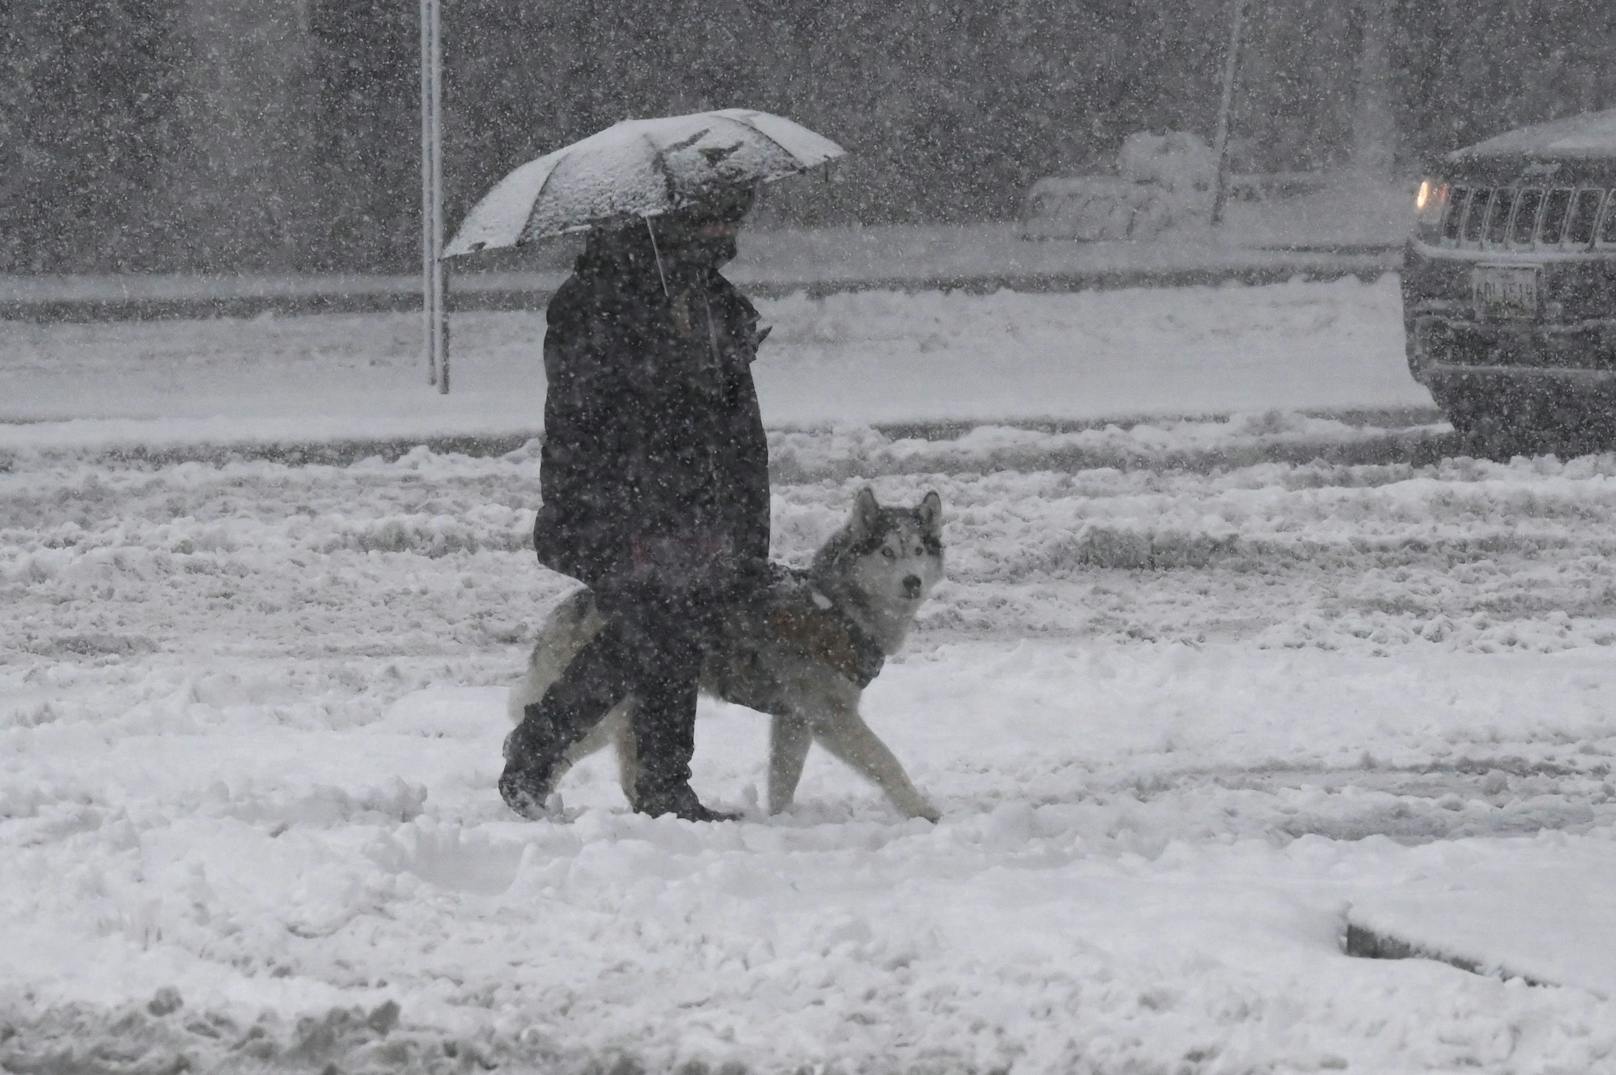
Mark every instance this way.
x=639 y=168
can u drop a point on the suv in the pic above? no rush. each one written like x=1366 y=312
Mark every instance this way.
x=1509 y=281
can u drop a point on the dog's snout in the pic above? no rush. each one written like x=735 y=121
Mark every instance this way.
x=911 y=586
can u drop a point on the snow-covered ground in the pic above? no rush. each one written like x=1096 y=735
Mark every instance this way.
x=1195 y=687
x=865 y=357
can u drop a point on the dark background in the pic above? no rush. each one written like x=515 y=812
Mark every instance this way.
x=283 y=134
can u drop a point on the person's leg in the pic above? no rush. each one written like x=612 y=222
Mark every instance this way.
x=599 y=677
x=664 y=729
x=664 y=716
x=652 y=647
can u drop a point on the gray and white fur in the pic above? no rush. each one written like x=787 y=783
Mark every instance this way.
x=876 y=571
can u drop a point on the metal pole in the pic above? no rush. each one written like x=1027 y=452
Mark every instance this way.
x=440 y=275
x=1231 y=68
x=428 y=318
x=432 y=268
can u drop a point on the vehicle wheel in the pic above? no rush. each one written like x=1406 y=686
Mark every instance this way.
x=1495 y=426
x=1584 y=425
x=1461 y=409
x=1460 y=415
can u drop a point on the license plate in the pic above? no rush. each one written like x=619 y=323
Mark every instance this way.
x=1505 y=290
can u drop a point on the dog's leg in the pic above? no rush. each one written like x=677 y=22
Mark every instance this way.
x=621 y=729
x=789 y=740
x=845 y=735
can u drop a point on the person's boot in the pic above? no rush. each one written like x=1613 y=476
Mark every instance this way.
x=535 y=760
x=664 y=728
x=680 y=801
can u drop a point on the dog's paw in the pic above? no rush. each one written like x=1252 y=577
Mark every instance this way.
x=925 y=811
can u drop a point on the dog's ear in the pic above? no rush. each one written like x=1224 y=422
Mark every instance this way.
x=866 y=515
x=931 y=514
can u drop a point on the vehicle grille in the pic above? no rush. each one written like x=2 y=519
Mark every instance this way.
x=1457 y=200
x=1551 y=225
x=1524 y=229
x=1529 y=218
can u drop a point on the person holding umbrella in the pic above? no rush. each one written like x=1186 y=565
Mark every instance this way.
x=656 y=490
x=654 y=469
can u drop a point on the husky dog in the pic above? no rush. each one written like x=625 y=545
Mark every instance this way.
x=804 y=656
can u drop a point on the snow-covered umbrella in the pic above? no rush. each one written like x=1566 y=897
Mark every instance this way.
x=636 y=169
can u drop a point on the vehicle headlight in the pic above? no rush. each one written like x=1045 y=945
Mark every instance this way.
x=1429 y=203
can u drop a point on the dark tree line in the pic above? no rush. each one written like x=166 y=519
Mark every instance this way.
x=89 y=121
x=235 y=134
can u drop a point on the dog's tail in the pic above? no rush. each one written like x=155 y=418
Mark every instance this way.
x=569 y=626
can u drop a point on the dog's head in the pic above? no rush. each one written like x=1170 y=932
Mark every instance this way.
x=892 y=555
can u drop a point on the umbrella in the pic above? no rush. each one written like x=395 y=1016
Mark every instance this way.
x=639 y=168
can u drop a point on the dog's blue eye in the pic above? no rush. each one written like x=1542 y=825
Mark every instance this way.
x=889 y=554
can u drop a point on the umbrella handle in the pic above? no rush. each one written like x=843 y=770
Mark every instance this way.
x=656 y=254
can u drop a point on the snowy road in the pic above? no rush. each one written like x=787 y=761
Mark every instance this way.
x=1191 y=690
x=1194 y=689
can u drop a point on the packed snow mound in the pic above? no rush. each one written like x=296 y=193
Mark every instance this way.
x=1162 y=181
x=1177 y=161
x=1094 y=209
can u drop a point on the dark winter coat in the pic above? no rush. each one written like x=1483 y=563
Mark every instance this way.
x=654 y=453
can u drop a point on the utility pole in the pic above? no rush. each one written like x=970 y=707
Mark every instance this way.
x=434 y=281
x=1231 y=72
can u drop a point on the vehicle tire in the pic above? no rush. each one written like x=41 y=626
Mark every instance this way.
x=1498 y=423
x=1460 y=408
x=1583 y=425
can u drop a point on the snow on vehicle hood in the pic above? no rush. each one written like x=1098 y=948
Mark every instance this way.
x=1591 y=134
